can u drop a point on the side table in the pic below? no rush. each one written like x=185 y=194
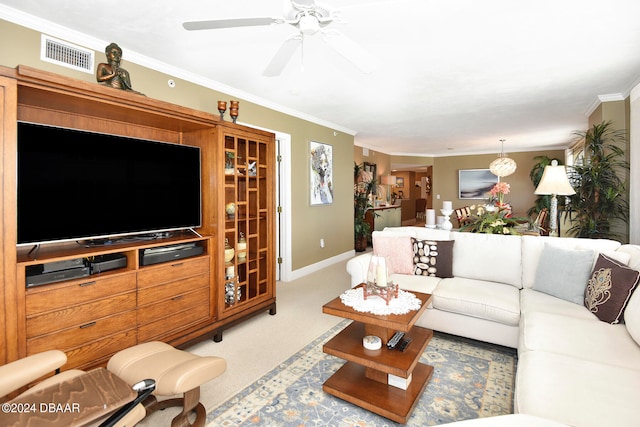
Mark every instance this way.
x=386 y=382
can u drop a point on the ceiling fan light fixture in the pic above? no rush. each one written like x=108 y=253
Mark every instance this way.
x=309 y=25
x=503 y=165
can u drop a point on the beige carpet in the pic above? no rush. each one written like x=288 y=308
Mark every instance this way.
x=256 y=346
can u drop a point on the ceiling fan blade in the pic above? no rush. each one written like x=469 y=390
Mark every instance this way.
x=230 y=23
x=350 y=50
x=283 y=56
x=303 y=4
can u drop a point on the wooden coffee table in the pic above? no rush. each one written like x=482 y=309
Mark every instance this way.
x=364 y=378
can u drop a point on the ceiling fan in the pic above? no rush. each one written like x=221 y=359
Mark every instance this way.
x=309 y=18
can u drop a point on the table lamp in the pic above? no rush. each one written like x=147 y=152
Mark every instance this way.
x=554 y=182
x=388 y=180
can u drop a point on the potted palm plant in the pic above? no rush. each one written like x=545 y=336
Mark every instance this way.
x=364 y=183
x=600 y=202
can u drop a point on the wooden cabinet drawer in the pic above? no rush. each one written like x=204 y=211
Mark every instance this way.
x=79 y=314
x=153 y=294
x=169 y=272
x=183 y=302
x=100 y=351
x=197 y=311
x=79 y=335
x=77 y=292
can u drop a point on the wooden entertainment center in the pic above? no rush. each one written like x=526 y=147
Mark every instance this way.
x=178 y=302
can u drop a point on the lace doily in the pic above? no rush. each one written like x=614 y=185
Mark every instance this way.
x=405 y=302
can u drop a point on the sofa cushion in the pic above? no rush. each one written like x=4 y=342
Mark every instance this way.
x=478 y=298
x=576 y=392
x=490 y=257
x=533 y=301
x=564 y=273
x=634 y=255
x=396 y=249
x=432 y=257
x=532 y=247
x=424 y=284
x=588 y=339
x=609 y=289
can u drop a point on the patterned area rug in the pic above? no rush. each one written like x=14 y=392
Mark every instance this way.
x=470 y=380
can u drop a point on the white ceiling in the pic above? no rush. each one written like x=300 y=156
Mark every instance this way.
x=452 y=77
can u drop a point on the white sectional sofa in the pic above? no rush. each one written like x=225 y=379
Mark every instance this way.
x=527 y=292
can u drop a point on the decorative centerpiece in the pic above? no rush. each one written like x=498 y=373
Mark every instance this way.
x=230 y=209
x=447 y=210
x=494 y=218
x=229 y=252
x=379 y=280
x=228 y=163
x=242 y=247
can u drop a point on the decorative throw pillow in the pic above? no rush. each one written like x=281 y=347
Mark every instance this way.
x=432 y=257
x=564 y=273
x=609 y=289
x=397 y=250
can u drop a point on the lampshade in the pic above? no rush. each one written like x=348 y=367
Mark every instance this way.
x=388 y=180
x=503 y=165
x=555 y=181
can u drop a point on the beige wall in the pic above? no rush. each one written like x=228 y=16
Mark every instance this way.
x=333 y=223
x=445 y=178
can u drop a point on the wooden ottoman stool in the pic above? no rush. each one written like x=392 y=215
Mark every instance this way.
x=175 y=372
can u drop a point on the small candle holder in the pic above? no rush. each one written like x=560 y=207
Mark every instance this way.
x=233 y=111
x=222 y=107
x=446 y=224
x=379 y=280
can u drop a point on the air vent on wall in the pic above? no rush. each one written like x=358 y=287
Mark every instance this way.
x=66 y=54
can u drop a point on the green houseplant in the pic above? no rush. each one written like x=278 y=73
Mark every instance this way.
x=600 y=201
x=364 y=183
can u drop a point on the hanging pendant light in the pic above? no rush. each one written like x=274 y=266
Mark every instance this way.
x=503 y=165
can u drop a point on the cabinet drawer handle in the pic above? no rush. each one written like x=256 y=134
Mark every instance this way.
x=177 y=265
x=82 y=285
x=177 y=298
x=88 y=325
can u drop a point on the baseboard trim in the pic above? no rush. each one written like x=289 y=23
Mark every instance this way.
x=301 y=272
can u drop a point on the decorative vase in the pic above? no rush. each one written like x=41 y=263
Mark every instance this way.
x=361 y=244
x=230 y=208
x=229 y=252
x=242 y=248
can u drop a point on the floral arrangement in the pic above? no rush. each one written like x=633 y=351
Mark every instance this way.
x=492 y=219
x=498 y=192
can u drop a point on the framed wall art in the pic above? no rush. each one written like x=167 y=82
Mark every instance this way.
x=475 y=183
x=373 y=168
x=321 y=173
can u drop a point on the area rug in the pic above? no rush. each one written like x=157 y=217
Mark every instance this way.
x=470 y=380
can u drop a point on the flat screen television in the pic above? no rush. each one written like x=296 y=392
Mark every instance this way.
x=78 y=185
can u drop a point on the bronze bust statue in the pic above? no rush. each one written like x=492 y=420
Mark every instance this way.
x=111 y=74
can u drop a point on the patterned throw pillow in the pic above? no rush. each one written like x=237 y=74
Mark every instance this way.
x=432 y=257
x=609 y=289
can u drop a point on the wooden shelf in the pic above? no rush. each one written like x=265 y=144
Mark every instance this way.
x=350 y=383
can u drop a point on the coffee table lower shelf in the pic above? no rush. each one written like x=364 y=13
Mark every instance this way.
x=350 y=383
